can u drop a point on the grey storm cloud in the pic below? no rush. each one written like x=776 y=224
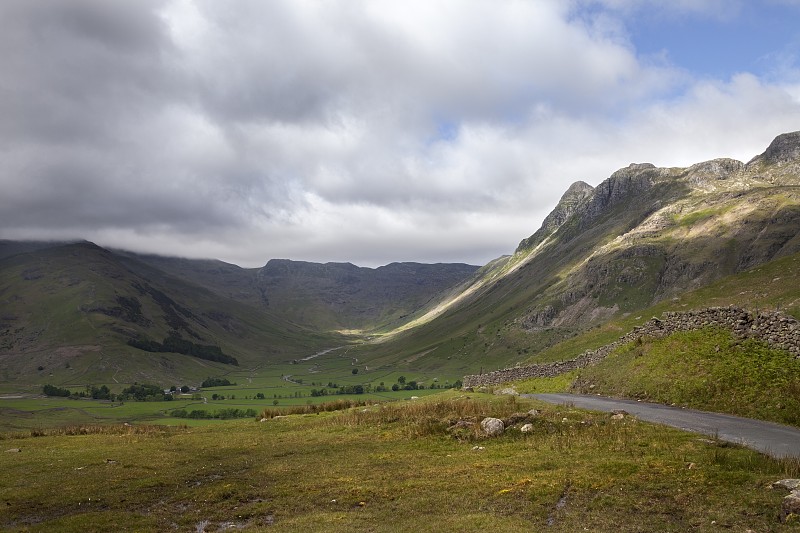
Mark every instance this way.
x=358 y=130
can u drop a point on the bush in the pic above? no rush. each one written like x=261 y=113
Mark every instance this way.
x=222 y=414
x=52 y=390
x=216 y=382
x=144 y=392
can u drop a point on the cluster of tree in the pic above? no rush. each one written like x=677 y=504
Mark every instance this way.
x=52 y=390
x=176 y=344
x=400 y=385
x=216 y=382
x=346 y=389
x=144 y=393
x=222 y=414
x=216 y=396
x=135 y=392
x=96 y=393
x=99 y=393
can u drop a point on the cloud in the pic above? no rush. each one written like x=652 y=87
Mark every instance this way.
x=345 y=130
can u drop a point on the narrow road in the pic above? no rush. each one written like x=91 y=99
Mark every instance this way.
x=767 y=437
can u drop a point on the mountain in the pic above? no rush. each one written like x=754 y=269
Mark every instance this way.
x=78 y=313
x=329 y=296
x=71 y=311
x=643 y=235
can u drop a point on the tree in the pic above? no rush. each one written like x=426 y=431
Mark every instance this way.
x=355 y=371
x=142 y=392
x=401 y=380
x=102 y=393
x=52 y=390
x=216 y=382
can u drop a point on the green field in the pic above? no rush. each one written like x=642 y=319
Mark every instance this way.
x=282 y=385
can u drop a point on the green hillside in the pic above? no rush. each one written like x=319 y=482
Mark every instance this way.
x=643 y=236
x=70 y=312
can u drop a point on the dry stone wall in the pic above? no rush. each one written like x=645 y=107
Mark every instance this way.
x=777 y=329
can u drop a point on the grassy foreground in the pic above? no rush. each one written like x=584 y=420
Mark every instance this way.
x=392 y=467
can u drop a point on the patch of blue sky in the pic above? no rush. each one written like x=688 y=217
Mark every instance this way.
x=762 y=38
x=443 y=131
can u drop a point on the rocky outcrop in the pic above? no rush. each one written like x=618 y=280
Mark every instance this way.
x=704 y=175
x=577 y=193
x=790 y=507
x=783 y=148
x=775 y=328
x=625 y=184
x=780 y=162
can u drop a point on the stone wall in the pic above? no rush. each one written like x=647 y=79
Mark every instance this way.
x=775 y=328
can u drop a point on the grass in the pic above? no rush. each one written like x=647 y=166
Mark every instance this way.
x=20 y=414
x=389 y=468
x=707 y=369
x=287 y=383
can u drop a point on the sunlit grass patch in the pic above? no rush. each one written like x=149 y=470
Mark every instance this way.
x=705 y=369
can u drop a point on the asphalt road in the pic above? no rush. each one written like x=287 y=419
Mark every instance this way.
x=772 y=439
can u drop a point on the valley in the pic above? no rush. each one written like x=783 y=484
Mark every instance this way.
x=335 y=398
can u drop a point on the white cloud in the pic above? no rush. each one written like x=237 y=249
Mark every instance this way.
x=344 y=130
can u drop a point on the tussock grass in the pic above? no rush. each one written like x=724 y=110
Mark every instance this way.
x=423 y=418
x=309 y=409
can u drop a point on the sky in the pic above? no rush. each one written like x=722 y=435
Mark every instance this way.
x=366 y=131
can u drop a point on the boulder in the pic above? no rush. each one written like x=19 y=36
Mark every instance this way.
x=788 y=484
x=492 y=426
x=527 y=428
x=791 y=506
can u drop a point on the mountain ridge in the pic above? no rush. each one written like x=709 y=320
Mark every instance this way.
x=643 y=235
